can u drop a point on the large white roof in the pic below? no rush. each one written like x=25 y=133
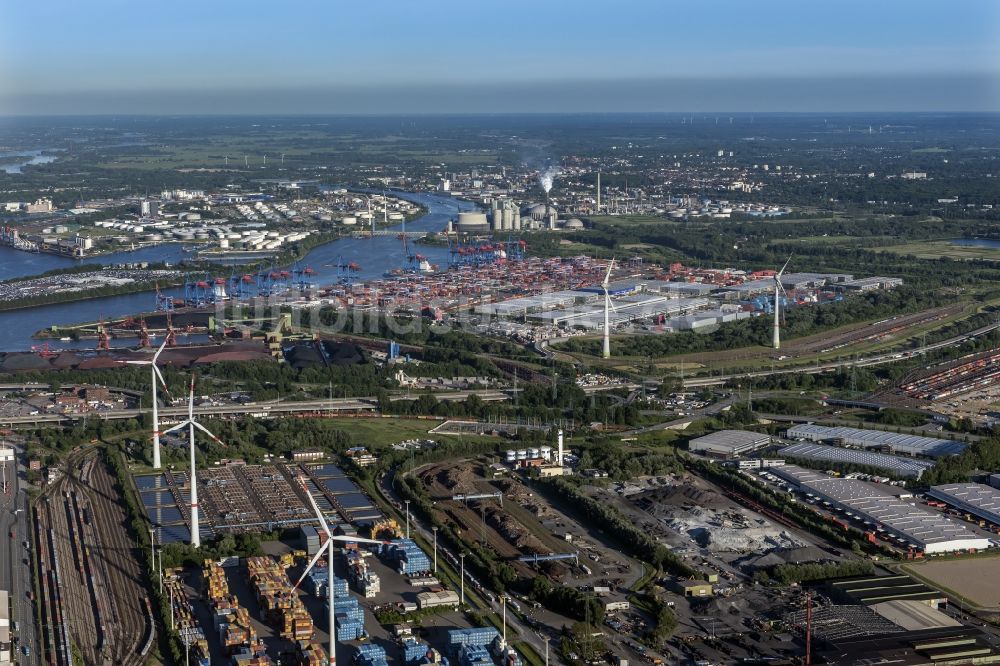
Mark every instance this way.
x=929 y=530
x=912 y=444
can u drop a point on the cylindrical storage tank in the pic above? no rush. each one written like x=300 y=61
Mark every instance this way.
x=508 y=218
x=224 y=244
x=517 y=221
x=511 y=456
x=534 y=454
x=546 y=452
x=349 y=220
x=522 y=454
x=473 y=222
x=396 y=217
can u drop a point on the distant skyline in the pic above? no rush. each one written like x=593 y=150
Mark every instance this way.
x=447 y=56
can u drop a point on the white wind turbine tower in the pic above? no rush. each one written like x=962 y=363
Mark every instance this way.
x=155 y=375
x=330 y=538
x=607 y=307
x=778 y=290
x=191 y=425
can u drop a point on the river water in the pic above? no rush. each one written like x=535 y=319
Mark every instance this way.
x=24 y=158
x=375 y=256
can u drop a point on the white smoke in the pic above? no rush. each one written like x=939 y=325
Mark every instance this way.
x=546 y=177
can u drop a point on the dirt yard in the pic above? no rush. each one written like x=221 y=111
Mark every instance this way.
x=977 y=579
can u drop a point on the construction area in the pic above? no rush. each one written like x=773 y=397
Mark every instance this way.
x=91 y=582
x=237 y=497
x=710 y=528
x=522 y=527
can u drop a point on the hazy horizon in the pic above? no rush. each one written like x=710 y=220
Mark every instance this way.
x=111 y=57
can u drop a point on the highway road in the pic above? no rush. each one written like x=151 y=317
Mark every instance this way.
x=15 y=575
x=829 y=366
x=259 y=409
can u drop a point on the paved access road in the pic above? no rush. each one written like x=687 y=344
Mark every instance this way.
x=15 y=572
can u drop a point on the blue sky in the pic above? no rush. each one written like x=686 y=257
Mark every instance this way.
x=400 y=56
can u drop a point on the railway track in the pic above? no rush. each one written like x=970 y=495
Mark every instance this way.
x=93 y=592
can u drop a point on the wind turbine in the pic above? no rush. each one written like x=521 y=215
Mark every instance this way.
x=778 y=290
x=154 y=376
x=330 y=538
x=607 y=307
x=191 y=425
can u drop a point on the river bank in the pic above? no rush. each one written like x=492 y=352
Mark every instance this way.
x=374 y=256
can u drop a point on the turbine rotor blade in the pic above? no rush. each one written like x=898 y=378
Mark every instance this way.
x=350 y=539
x=209 y=433
x=312 y=563
x=315 y=508
x=182 y=424
x=158 y=351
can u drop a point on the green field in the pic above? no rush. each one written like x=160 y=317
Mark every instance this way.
x=943 y=248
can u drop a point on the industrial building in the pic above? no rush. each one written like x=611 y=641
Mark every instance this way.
x=442 y=598
x=885 y=512
x=524 y=305
x=871 y=283
x=705 y=318
x=975 y=498
x=729 y=443
x=624 y=310
x=907 y=468
x=880 y=589
x=887 y=442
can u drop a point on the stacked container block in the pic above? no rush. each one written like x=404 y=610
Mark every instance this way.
x=406 y=556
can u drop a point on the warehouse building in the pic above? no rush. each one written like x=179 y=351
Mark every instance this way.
x=705 y=318
x=975 y=498
x=907 y=468
x=885 y=512
x=688 y=289
x=546 y=301
x=871 y=284
x=438 y=599
x=880 y=589
x=887 y=442
x=729 y=443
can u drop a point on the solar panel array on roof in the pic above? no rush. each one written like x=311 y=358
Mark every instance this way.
x=157 y=498
x=909 y=468
x=161 y=515
x=869 y=439
x=340 y=484
x=150 y=482
x=882 y=509
x=975 y=498
x=325 y=471
x=354 y=501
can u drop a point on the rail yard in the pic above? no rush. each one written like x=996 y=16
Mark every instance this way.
x=95 y=602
